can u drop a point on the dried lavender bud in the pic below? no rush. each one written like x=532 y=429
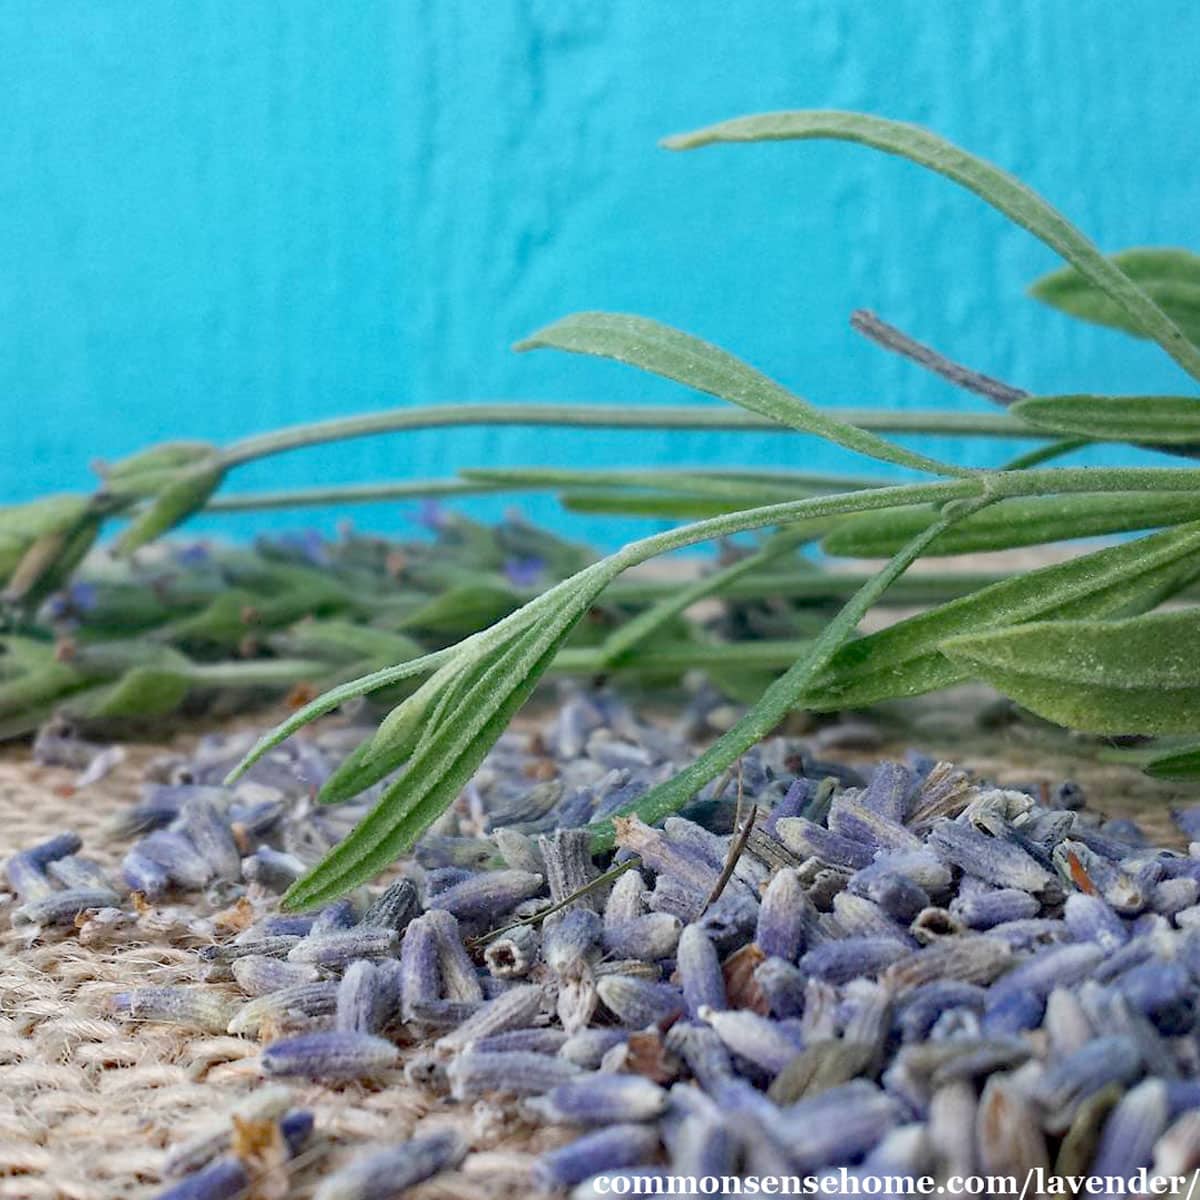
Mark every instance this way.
x=208 y=830
x=274 y=870
x=300 y=1000
x=851 y=818
x=1068 y=1082
x=975 y=958
x=512 y=1009
x=784 y=917
x=519 y=851
x=625 y=897
x=1058 y=966
x=1169 y=897
x=702 y=1050
x=567 y=854
x=258 y=975
x=838 y=1125
x=362 y=1005
x=990 y=858
x=852 y=958
x=766 y=1043
x=699 y=971
x=513 y=955
x=650 y=937
x=487 y=896
x=460 y=981
x=921 y=1007
x=664 y=856
x=474 y=1074
x=200 y=1008
x=891 y=790
x=933 y=924
x=577 y=1001
x=603 y=1150
x=386 y=1174
x=856 y=916
x=570 y=941
x=335 y=918
x=443 y=1014
x=72 y=871
x=587 y=1047
x=394 y=908
x=273 y=946
x=1013 y=1012
x=782 y=985
x=602 y=1100
x=637 y=1003
x=819 y=1067
x=61 y=908
x=144 y=875
x=809 y=840
x=177 y=855
x=1163 y=993
x=224 y=1179
x=53 y=848
x=1130 y=1133
x=27 y=877
x=420 y=975
x=296 y=1127
x=541 y=1039
x=331 y=1055
x=343 y=947
x=982 y=910
x=1089 y=919
x=679 y=899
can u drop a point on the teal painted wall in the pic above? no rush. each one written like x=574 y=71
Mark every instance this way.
x=216 y=218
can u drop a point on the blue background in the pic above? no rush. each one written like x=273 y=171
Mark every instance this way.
x=216 y=218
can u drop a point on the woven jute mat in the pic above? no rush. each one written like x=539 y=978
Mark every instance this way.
x=89 y=1103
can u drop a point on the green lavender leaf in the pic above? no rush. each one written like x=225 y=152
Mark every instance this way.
x=999 y=189
x=1151 y=419
x=1139 y=675
x=675 y=355
x=187 y=493
x=667 y=506
x=446 y=757
x=141 y=692
x=1026 y=521
x=1171 y=278
x=463 y=609
x=905 y=660
x=1181 y=763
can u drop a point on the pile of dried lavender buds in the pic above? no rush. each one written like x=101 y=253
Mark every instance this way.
x=901 y=970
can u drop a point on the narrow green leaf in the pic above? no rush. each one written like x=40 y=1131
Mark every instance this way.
x=675 y=355
x=1171 y=278
x=446 y=757
x=463 y=609
x=1179 y=764
x=186 y=494
x=904 y=660
x=1025 y=521
x=141 y=692
x=1139 y=675
x=999 y=189
x=1154 y=419
x=667 y=506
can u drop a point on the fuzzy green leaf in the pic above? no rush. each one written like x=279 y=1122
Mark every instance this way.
x=187 y=493
x=1179 y=764
x=1152 y=419
x=1025 y=521
x=1171 y=278
x=141 y=692
x=661 y=350
x=999 y=189
x=446 y=757
x=904 y=659
x=1140 y=675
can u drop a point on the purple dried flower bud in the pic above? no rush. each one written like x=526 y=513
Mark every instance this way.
x=588 y=1047
x=420 y=976
x=567 y=855
x=1170 y=896
x=512 y=1009
x=784 y=917
x=487 y=895
x=335 y=917
x=1058 y=966
x=1013 y=1012
x=362 y=1005
x=474 y=1074
x=331 y=1055
x=200 y=1008
x=144 y=875
x=1030 y=934
x=853 y=958
x=1130 y=1133
x=540 y=1039
x=982 y=910
x=604 y=1150
x=513 y=955
x=288 y=1004
x=343 y=947
x=570 y=941
x=275 y=946
x=838 y=1125
x=225 y=1179
x=1090 y=919
x=990 y=858
x=258 y=975
x=856 y=916
x=27 y=877
x=1071 y=1080
x=782 y=985
x=602 y=1100
x=699 y=971
x=73 y=871
x=275 y=870
x=637 y=1003
x=702 y=1050
x=61 y=908
x=296 y=1127
x=650 y=937
x=891 y=790
x=208 y=830
x=768 y=1044
x=386 y=1174
x=175 y=852
x=809 y=840
x=921 y=1007
x=625 y=897
x=975 y=958
x=665 y=856
x=460 y=980
x=1163 y=993
x=851 y=818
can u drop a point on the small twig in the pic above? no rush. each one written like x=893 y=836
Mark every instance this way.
x=736 y=847
x=891 y=338
x=565 y=902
